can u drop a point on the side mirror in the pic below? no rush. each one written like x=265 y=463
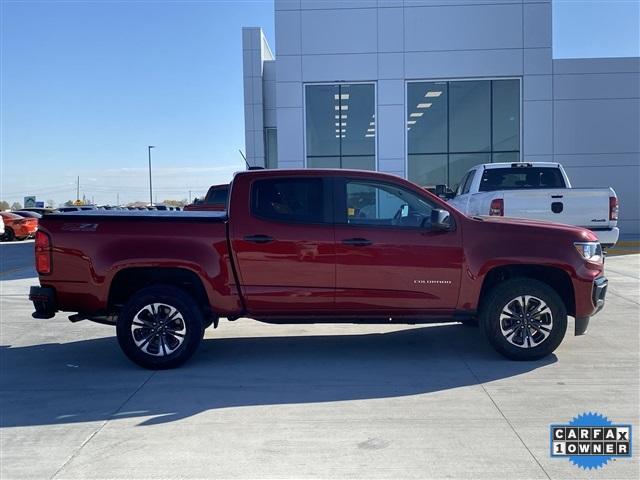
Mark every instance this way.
x=440 y=219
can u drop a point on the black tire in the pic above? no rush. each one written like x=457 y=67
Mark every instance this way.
x=9 y=235
x=549 y=327
x=159 y=340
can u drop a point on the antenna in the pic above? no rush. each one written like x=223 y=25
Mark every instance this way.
x=245 y=159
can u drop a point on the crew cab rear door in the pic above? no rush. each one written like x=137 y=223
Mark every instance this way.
x=282 y=240
x=388 y=260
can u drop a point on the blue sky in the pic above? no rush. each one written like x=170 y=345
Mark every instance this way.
x=86 y=86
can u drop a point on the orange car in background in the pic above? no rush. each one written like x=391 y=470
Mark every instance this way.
x=17 y=227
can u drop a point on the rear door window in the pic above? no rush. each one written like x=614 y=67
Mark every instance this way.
x=518 y=178
x=300 y=200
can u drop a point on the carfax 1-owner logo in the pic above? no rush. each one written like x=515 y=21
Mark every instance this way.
x=590 y=440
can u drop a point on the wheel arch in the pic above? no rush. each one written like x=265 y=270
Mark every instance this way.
x=128 y=281
x=555 y=277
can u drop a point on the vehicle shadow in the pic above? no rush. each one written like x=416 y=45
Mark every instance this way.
x=92 y=381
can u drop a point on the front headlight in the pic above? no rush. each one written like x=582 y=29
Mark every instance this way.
x=591 y=251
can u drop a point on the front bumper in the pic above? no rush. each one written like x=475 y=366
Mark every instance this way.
x=598 y=294
x=44 y=302
x=600 y=285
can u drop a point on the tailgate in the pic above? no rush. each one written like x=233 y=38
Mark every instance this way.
x=582 y=207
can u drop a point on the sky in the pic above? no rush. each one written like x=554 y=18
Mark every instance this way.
x=87 y=85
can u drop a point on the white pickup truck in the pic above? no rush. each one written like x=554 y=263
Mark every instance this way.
x=540 y=191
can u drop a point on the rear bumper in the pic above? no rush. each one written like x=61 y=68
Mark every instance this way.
x=598 y=294
x=44 y=302
x=608 y=237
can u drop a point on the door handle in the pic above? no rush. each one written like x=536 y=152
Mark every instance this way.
x=258 y=238
x=357 y=242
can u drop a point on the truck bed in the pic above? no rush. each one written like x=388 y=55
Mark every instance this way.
x=90 y=248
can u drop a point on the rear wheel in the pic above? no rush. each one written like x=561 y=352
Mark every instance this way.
x=160 y=327
x=524 y=319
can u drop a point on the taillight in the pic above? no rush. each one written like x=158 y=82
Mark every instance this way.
x=497 y=207
x=43 y=253
x=613 y=208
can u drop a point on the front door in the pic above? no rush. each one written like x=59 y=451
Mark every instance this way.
x=284 y=247
x=388 y=260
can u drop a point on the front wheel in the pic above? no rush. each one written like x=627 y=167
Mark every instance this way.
x=524 y=319
x=160 y=327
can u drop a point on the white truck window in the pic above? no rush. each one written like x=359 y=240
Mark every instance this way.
x=518 y=178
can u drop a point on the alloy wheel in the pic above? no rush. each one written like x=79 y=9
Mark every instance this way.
x=158 y=329
x=526 y=321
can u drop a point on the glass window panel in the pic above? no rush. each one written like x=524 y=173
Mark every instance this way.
x=359 y=163
x=381 y=204
x=271 y=150
x=427 y=107
x=506 y=115
x=507 y=157
x=323 y=162
x=470 y=116
x=321 y=135
x=428 y=170
x=340 y=126
x=289 y=199
x=520 y=178
x=359 y=131
x=460 y=164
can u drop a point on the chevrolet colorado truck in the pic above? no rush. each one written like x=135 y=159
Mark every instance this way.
x=312 y=246
x=540 y=191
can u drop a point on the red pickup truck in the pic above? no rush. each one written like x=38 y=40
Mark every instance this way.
x=214 y=201
x=312 y=246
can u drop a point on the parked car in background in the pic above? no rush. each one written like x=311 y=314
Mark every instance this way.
x=314 y=246
x=27 y=214
x=40 y=210
x=77 y=208
x=539 y=191
x=214 y=201
x=17 y=227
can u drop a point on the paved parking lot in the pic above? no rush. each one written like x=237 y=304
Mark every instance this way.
x=332 y=401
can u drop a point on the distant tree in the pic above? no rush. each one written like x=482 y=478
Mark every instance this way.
x=51 y=203
x=4 y=205
x=68 y=203
x=16 y=206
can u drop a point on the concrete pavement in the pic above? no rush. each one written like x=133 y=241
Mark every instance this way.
x=330 y=401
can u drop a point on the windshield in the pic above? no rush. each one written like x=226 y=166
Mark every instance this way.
x=517 y=178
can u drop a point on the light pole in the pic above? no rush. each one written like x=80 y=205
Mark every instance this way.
x=150 y=184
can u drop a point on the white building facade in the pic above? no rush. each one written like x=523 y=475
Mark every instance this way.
x=426 y=89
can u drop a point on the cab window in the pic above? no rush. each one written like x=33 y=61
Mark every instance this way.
x=289 y=199
x=467 y=182
x=383 y=204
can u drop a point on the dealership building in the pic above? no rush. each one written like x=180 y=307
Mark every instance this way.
x=426 y=89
